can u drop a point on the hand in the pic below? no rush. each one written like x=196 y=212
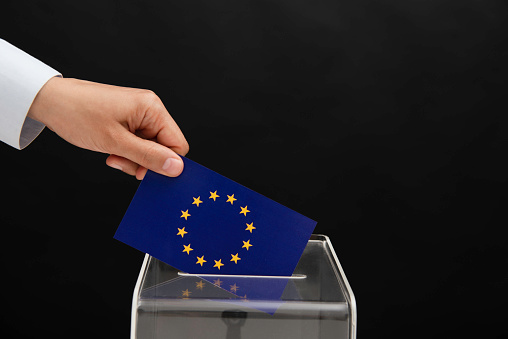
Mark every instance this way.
x=132 y=125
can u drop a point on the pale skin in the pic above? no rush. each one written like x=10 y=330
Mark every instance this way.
x=132 y=125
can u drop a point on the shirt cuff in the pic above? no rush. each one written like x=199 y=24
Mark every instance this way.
x=21 y=78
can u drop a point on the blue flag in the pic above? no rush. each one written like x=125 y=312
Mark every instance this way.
x=202 y=222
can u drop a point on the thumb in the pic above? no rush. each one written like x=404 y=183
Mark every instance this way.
x=150 y=155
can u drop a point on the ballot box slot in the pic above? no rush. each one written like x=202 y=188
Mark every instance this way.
x=293 y=277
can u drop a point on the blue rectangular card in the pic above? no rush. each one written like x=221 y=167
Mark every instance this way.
x=202 y=222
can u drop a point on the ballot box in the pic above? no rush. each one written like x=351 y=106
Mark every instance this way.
x=315 y=302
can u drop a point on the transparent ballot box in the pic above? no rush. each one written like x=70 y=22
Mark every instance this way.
x=315 y=302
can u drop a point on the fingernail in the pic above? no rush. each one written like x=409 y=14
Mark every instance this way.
x=118 y=167
x=172 y=166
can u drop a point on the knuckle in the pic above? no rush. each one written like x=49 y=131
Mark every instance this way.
x=185 y=147
x=148 y=97
x=149 y=155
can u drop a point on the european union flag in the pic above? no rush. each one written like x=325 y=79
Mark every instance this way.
x=202 y=222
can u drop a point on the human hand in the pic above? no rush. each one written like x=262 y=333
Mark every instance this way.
x=132 y=125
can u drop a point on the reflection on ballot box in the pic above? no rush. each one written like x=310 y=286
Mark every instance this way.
x=316 y=302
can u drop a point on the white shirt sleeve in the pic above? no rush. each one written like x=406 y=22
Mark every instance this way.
x=21 y=78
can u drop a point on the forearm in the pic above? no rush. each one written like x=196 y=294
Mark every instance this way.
x=21 y=78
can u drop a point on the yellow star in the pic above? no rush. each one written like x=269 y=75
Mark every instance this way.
x=235 y=258
x=200 y=284
x=201 y=260
x=250 y=227
x=181 y=231
x=217 y=282
x=218 y=264
x=244 y=210
x=186 y=293
x=233 y=288
x=186 y=248
x=231 y=198
x=214 y=195
x=196 y=201
x=185 y=214
x=246 y=244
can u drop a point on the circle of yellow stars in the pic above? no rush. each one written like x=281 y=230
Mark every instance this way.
x=234 y=257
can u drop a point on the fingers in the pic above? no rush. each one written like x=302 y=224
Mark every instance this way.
x=126 y=166
x=141 y=172
x=154 y=122
x=145 y=153
x=152 y=140
x=171 y=136
x=122 y=164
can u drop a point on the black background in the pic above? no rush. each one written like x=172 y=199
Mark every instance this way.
x=385 y=121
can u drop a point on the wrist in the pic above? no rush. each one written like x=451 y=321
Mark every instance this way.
x=40 y=109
